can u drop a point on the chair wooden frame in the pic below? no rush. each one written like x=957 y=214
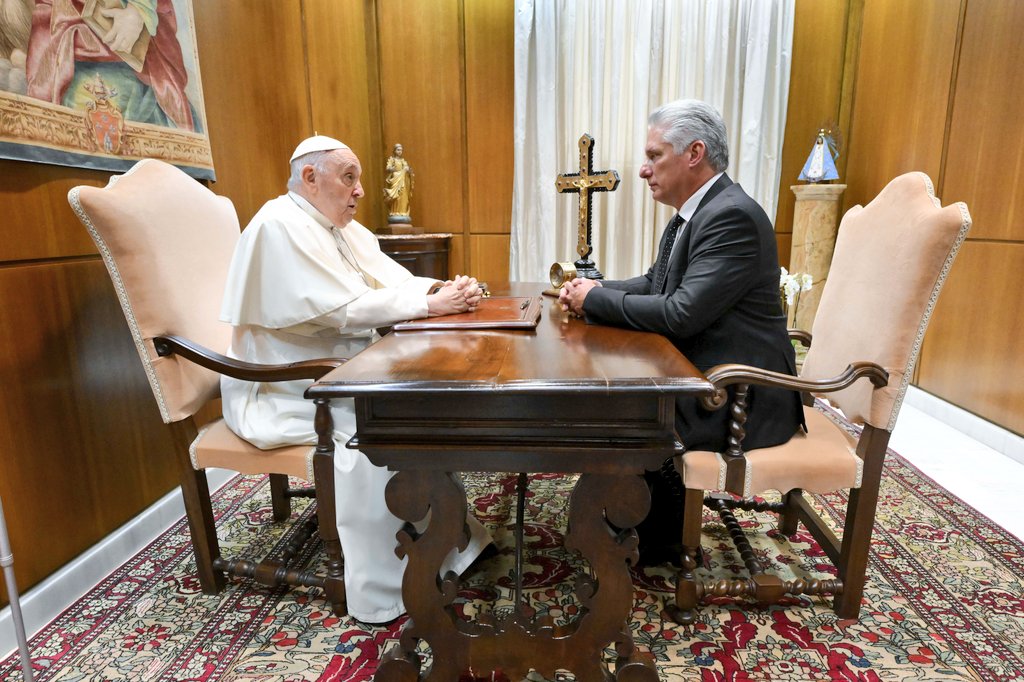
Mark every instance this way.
x=849 y=555
x=890 y=261
x=272 y=571
x=167 y=242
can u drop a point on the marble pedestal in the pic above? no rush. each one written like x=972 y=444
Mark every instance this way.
x=814 y=238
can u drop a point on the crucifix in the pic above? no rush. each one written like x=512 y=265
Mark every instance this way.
x=585 y=183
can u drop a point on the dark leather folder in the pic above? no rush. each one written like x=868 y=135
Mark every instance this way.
x=496 y=312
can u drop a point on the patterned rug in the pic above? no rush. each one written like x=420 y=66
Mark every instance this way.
x=943 y=601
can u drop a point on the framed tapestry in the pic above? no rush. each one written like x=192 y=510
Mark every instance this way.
x=101 y=84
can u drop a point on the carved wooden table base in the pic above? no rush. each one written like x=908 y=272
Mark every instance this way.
x=516 y=643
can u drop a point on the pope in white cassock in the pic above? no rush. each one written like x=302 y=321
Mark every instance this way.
x=308 y=281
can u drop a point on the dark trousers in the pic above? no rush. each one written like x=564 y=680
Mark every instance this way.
x=661 y=531
x=774 y=416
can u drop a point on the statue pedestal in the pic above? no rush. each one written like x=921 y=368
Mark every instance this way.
x=400 y=228
x=814 y=238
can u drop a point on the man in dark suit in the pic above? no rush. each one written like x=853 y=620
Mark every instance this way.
x=714 y=291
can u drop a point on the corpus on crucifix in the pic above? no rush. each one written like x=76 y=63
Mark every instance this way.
x=584 y=183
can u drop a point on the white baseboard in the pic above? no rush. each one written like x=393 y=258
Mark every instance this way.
x=50 y=598
x=971 y=425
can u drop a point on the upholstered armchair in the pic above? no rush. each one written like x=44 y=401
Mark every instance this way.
x=167 y=242
x=891 y=259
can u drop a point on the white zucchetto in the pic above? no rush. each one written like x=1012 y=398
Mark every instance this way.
x=317 y=143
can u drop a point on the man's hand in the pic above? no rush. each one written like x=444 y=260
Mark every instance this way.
x=459 y=295
x=573 y=294
x=126 y=29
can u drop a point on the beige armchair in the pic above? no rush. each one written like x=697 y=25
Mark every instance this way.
x=167 y=242
x=891 y=259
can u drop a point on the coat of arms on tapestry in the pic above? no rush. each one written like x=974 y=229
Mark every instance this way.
x=101 y=84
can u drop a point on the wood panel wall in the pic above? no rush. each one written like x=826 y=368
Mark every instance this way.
x=82 y=448
x=902 y=95
x=77 y=421
x=437 y=78
x=344 y=89
x=934 y=86
x=257 y=101
x=446 y=94
x=490 y=88
x=973 y=350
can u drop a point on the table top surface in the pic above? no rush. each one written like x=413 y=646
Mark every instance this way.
x=562 y=355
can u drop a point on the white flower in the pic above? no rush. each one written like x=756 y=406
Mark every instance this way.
x=791 y=285
x=791 y=288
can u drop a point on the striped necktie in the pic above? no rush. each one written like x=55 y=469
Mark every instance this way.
x=661 y=268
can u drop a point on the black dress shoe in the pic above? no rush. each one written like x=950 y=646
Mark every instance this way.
x=661 y=533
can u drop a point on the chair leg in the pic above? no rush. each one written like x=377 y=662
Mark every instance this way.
x=195 y=490
x=860 y=521
x=688 y=589
x=789 y=517
x=281 y=503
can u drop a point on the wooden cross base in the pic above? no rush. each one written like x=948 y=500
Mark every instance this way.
x=588 y=269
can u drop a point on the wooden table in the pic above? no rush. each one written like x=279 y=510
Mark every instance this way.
x=569 y=397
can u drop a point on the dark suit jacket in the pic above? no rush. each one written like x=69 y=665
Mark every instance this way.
x=721 y=305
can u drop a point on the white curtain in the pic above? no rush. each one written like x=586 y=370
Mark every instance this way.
x=600 y=67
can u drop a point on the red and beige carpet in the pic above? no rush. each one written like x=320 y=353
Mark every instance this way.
x=944 y=601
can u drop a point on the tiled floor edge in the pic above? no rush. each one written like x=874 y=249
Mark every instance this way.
x=981 y=430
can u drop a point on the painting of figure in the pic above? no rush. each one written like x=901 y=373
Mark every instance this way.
x=101 y=84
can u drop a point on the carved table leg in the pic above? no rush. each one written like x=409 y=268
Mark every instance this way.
x=596 y=501
x=410 y=495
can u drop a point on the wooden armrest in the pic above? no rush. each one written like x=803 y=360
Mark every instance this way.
x=743 y=376
x=727 y=375
x=237 y=369
x=800 y=335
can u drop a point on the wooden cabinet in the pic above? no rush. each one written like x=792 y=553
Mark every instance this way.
x=425 y=255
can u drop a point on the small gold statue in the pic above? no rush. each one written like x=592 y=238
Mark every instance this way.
x=398 y=188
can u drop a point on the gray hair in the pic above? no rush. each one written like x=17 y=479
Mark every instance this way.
x=317 y=159
x=685 y=121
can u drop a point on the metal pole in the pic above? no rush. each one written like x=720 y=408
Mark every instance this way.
x=7 y=562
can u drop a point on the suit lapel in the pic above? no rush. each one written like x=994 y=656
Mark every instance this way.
x=682 y=255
